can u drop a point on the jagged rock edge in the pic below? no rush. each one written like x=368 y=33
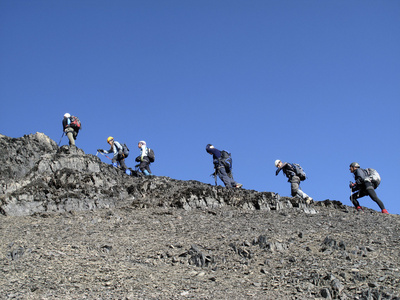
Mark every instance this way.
x=48 y=187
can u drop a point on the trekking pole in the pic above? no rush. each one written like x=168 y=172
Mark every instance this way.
x=61 y=139
x=104 y=155
x=215 y=177
x=351 y=192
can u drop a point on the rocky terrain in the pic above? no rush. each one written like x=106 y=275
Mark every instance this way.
x=72 y=227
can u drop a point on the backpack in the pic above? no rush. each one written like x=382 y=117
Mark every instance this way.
x=125 y=150
x=226 y=159
x=299 y=171
x=75 y=123
x=373 y=176
x=150 y=154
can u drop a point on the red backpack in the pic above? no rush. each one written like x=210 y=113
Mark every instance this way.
x=75 y=123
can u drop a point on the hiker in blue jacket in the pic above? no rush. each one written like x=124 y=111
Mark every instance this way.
x=365 y=185
x=118 y=151
x=221 y=169
x=70 y=130
x=294 y=180
x=143 y=159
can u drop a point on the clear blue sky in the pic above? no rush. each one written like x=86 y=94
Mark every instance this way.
x=313 y=82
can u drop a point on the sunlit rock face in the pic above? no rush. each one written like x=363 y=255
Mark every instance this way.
x=72 y=227
x=38 y=176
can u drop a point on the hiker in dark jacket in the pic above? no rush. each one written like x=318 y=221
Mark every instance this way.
x=294 y=180
x=221 y=169
x=70 y=130
x=365 y=185
x=117 y=150
x=143 y=159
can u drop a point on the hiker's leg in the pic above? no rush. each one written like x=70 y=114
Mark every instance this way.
x=353 y=199
x=371 y=192
x=301 y=194
x=294 y=187
x=121 y=161
x=229 y=182
x=233 y=182
x=70 y=134
x=75 y=134
x=144 y=166
x=357 y=195
x=148 y=168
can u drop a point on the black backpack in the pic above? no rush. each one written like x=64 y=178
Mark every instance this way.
x=299 y=171
x=125 y=150
x=150 y=154
x=226 y=159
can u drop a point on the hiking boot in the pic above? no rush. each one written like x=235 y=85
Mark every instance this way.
x=384 y=211
x=359 y=208
x=239 y=185
x=309 y=200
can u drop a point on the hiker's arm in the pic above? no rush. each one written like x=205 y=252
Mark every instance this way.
x=66 y=123
x=279 y=169
x=359 y=176
x=353 y=186
x=143 y=152
x=111 y=150
x=117 y=148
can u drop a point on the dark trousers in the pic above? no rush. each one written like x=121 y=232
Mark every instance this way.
x=367 y=189
x=145 y=165
x=225 y=178
x=121 y=159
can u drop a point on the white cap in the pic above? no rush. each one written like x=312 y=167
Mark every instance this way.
x=142 y=142
x=277 y=162
x=67 y=115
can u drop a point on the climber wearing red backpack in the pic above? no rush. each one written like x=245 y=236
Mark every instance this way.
x=71 y=127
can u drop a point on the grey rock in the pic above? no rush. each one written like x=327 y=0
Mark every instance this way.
x=72 y=227
x=325 y=293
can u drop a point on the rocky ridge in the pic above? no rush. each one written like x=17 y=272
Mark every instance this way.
x=39 y=177
x=74 y=227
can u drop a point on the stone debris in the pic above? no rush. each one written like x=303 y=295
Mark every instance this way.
x=72 y=227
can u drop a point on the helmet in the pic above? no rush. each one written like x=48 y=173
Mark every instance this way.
x=277 y=162
x=355 y=165
x=208 y=147
x=142 y=142
x=110 y=138
x=67 y=115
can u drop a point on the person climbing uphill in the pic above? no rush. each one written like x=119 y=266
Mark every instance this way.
x=222 y=169
x=366 y=181
x=120 y=153
x=71 y=126
x=290 y=172
x=144 y=158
